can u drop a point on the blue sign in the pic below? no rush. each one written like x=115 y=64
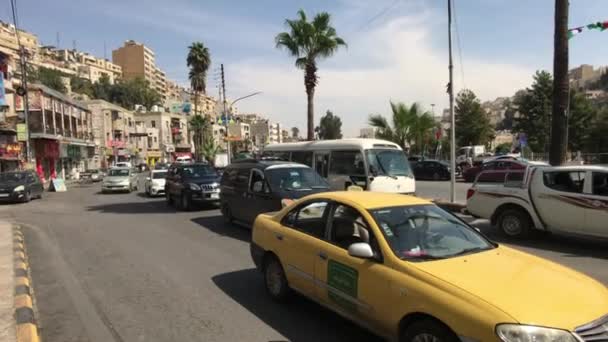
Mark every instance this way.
x=2 y=93
x=523 y=140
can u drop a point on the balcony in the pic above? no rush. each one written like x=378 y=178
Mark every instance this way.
x=116 y=143
x=176 y=130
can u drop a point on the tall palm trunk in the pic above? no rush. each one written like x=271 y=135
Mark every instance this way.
x=559 y=118
x=310 y=81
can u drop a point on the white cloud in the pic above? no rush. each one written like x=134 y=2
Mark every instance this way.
x=399 y=65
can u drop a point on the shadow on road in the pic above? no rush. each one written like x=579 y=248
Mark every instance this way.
x=568 y=246
x=298 y=320
x=149 y=207
x=217 y=225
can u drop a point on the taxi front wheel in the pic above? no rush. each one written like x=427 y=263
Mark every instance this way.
x=275 y=280
x=427 y=330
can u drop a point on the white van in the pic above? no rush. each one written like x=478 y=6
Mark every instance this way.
x=375 y=165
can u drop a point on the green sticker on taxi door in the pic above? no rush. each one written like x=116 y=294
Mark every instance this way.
x=343 y=283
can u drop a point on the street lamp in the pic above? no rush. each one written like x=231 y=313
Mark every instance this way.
x=226 y=119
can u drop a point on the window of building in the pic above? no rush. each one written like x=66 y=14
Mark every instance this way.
x=155 y=139
x=153 y=123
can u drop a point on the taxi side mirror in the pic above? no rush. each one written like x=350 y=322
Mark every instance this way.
x=148 y=178
x=361 y=250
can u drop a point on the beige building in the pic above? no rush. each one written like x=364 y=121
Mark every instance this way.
x=172 y=136
x=137 y=60
x=8 y=41
x=367 y=132
x=585 y=75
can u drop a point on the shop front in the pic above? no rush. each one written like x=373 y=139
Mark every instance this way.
x=10 y=156
x=46 y=152
x=73 y=160
x=153 y=157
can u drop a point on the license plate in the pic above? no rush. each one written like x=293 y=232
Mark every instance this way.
x=4 y=195
x=215 y=196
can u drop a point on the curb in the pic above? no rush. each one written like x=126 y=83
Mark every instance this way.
x=27 y=327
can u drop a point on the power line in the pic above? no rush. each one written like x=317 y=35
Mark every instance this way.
x=378 y=15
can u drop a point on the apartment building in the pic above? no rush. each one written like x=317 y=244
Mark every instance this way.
x=585 y=75
x=61 y=131
x=367 y=132
x=264 y=132
x=137 y=60
x=172 y=135
x=8 y=41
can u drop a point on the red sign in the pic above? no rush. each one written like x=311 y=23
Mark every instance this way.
x=116 y=143
x=10 y=150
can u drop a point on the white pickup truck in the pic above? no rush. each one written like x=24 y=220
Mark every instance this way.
x=566 y=199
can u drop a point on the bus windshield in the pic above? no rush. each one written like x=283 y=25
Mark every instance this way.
x=390 y=163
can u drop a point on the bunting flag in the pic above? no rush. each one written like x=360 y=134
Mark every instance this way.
x=601 y=26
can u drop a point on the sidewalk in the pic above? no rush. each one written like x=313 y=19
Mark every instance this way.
x=7 y=284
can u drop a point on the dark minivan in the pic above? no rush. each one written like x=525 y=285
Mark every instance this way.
x=187 y=184
x=251 y=187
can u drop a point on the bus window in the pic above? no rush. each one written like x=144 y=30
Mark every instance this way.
x=302 y=157
x=346 y=163
x=322 y=164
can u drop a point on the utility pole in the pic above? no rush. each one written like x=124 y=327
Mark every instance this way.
x=561 y=86
x=26 y=105
x=225 y=118
x=452 y=118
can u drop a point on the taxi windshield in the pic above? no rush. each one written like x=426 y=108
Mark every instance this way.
x=427 y=232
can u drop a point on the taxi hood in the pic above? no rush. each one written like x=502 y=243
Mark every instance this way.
x=530 y=289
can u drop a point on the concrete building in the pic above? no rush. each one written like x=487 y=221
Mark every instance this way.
x=8 y=41
x=172 y=136
x=61 y=132
x=585 y=75
x=80 y=63
x=495 y=109
x=137 y=60
x=367 y=132
x=264 y=132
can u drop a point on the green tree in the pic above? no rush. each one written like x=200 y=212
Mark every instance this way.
x=507 y=122
x=579 y=120
x=596 y=140
x=82 y=86
x=102 y=89
x=129 y=93
x=473 y=126
x=309 y=41
x=409 y=124
x=49 y=77
x=534 y=105
x=503 y=148
x=330 y=127
x=209 y=149
x=199 y=125
x=295 y=132
x=198 y=61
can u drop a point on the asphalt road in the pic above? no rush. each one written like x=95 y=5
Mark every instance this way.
x=123 y=267
x=441 y=190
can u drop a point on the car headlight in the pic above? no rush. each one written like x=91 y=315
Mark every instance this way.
x=215 y=184
x=530 y=333
x=194 y=187
x=19 y=188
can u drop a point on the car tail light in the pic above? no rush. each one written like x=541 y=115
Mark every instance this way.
x=470 y=193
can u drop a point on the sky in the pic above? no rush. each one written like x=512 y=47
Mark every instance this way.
x=397 y=49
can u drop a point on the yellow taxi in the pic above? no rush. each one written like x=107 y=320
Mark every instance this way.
x=409 y=271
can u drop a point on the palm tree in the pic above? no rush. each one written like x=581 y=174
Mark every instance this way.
x=209 y=149
x=409 y=124
x=198 y=61
x=199 y=126
x=561 y=84
x=309 y=42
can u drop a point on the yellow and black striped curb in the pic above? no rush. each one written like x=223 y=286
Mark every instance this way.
x=26 y=328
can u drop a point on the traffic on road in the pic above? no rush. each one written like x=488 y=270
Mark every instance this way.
x=396 y=266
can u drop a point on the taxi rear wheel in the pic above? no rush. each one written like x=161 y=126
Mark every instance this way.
x=275 y=280
x=428 y=330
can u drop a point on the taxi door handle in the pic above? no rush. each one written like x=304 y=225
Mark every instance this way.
x=323 y=255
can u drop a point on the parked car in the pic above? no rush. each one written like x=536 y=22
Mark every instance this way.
x=432 y=169
x=187 y=184
x=409 y=271
x=251 y=187
x=567 y=199
x=119 y=179
x=161 y=166
x=155 y=183
x=413 y=160
x=20 y=186
x=93 y=175
x=499 y=168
